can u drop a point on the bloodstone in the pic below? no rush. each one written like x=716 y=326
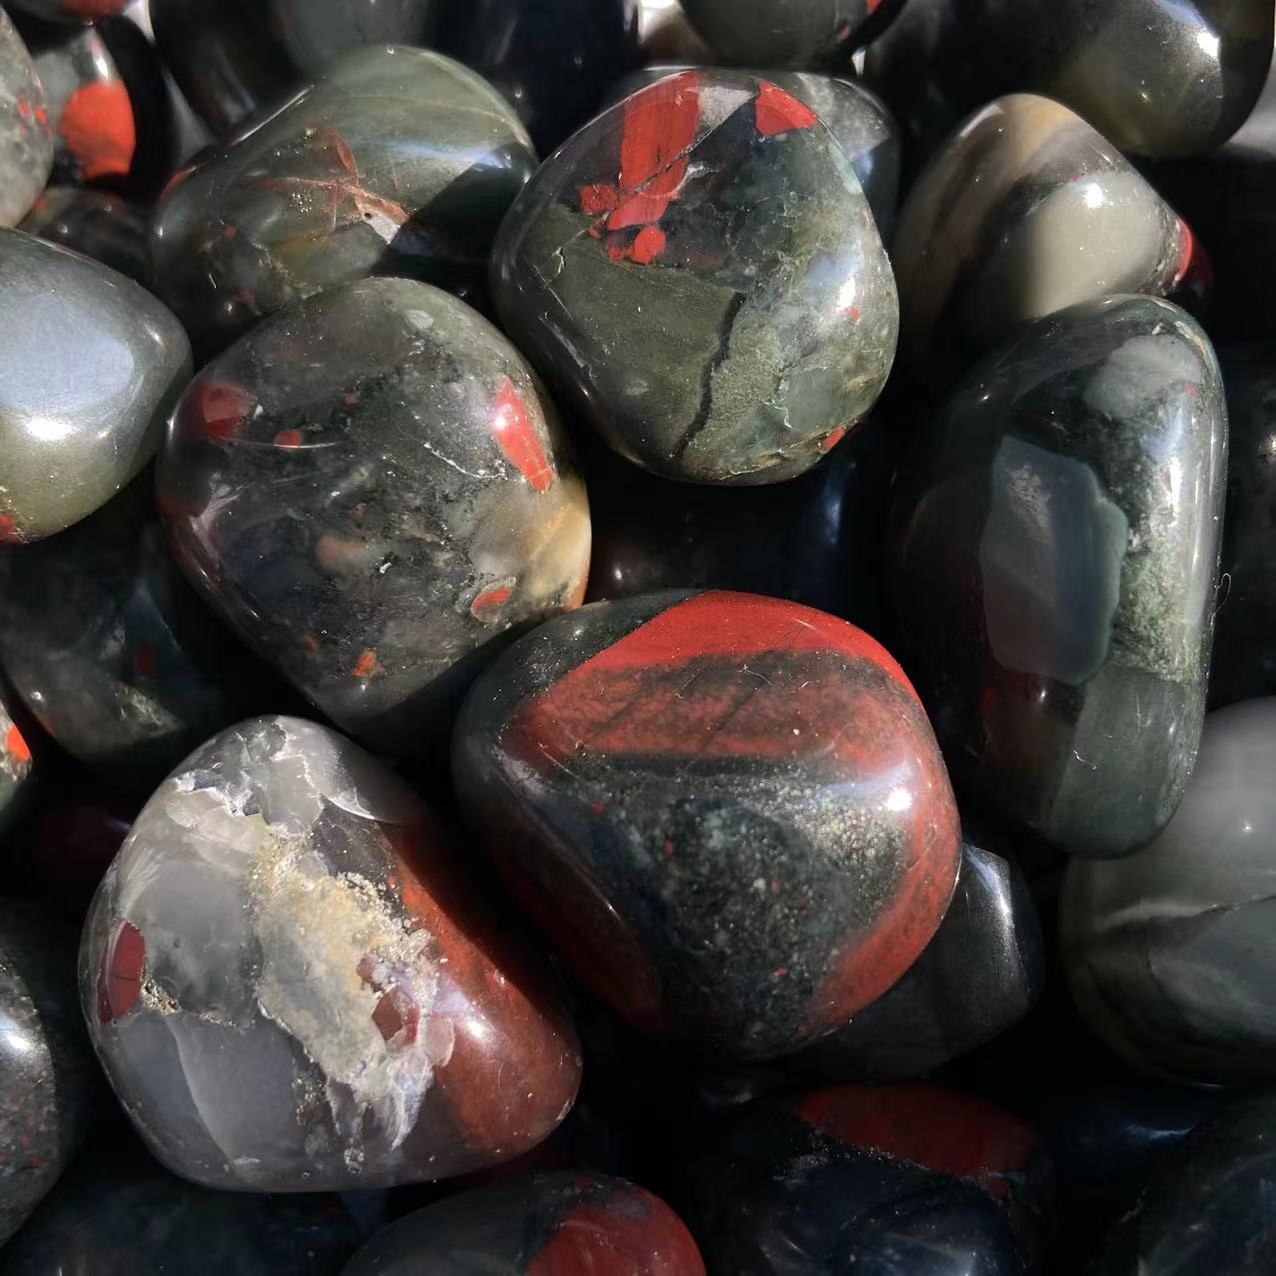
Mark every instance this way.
x=316 y=33
x=855 y=115
x=1171 y=953
x=48 y=1084
x=980 y=975
x=397 y=161
x=728 y=810
x=699 y=274
x=26 y=138
x=555 y=1223
x=291 y=988
x=1055 y=548
x=16 y=767
x=782 y=33
x=99 y=225
x=371 y=489
x=90 y=364
x=81 y=11
x=111 y=650
x=1057 y=217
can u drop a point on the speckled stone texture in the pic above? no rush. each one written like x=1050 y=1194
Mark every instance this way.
x=90 y=365
x=111 y=230
x=397 y=161
x=979 y=975
x=291 y=988
x=26 y=138
x=1058 y=216
x=855 y=115
x=1171 y=953
x=48 y=1084
x=371 y=488
x=728 y=810
x=698 y=273
x=1055 y=552
x=551 y=1225
x=781 y=33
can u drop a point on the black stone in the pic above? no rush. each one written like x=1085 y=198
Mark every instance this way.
x=98 y=224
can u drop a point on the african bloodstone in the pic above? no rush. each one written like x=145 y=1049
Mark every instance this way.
x=316 y=33
x=90 y=364
x=26 y=138
x=291 y=988
x=99 y=225
x=563 y=1223
x=1055 y=548
x=370 y=488
x=1171 y=953
x=1058 y=216
x=978 y=976
x=782 y=33
x=728 y=810
x=698 y=272
x=396 y=161
x=48 y=1084
x=17 y=767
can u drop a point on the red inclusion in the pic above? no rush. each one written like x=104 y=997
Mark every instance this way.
x=830 y=441
x=779 y=112
x=15 y=746
x=288 y=439
x=595 y=1240
x=367 y=665
x=660 y=126
x=518 y=439
x=397 y=1016
x=119 y=985
x=145 y=661
x=489 y=601
x=99 y=128
x=9 y=534
x=651 y=242
x=220 y=409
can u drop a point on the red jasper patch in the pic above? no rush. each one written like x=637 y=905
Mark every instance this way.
x=490 y=601
x=779 y=112
x=642 y=1235
x=16 y=746
x=220 y=409
x=99 y=128
x=119 y=986
x=397 y=1016
x=659 y=129
x=518 y=438
x=288 y=439
x=9 y=533
x=367 y=665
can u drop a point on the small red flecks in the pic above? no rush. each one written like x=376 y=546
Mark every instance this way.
x=518 y=439
x=310 y=643
x=245 y=297
x=367 y=665
x=1076 y=177
x=599 y=199
x=489 y=601
x=230 y=232
x=830 y=441
x=352 y=398
x=359 y=511
x=782 y=972
x=650 y=243
x=854 y=313
x=779 y=112
x=595 y=233
x=220 y=409
x=775 y=888
x=15 y=746
x=598 y=808
x=24 y=108
x=9 y=530
x=119 y=985
x=144 y=661
x=1186 y=254
x=288 y=439
x=397 y=1016
x=1192 y=391
x=667 y=848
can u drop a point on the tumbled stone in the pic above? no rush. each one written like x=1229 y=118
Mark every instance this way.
x=1171 y=952
x=99 y=225
x=565 y=1222
x=316 y=33
x=728 y=810
x=90 y=364
x=397 y=161
x=783 y=33
x=1055 y=551
x=698 y=273
x=370 y=488
x=17 y=766
x=82 y=11
x=26 y=138
x=291 y=988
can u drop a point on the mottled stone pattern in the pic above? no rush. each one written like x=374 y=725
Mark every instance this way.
x=859 y=120
x=781 y=33
x=1171 y=952
x=110 y=649
x=1055 y=552
x=729 y=810
x=26 y=137
x=1057 y=217
x=397 y=161
x=551 y=1225
x=699 y=274
x=111 y=230
x=291 y=990
x=17 y=766
x=90 y=365
x=979 y=975
x=371 y=488
x=48 y=1084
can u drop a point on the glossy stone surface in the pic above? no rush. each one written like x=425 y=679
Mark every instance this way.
x=905 y=1181
x=698 y=273
x=48 y=1084
x=1055 y=549
x=90 y=365
x=371 y=489
x=554 y=59
x=569 y=1222
x=978 y=976
x=728 y=810
x=124 y=1216
x=110 y=649
x=855 y=115
x=782 y=33
x=26 y=138
x=1209 y=1209
x=99 y=225
x=291 y=989
x=1171 y=953
x=17 y=766
x=398 y=161
x=1155 y=77
x=1244 y=660
x=81 y=11
x=316 y=33
x=1057 y=217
